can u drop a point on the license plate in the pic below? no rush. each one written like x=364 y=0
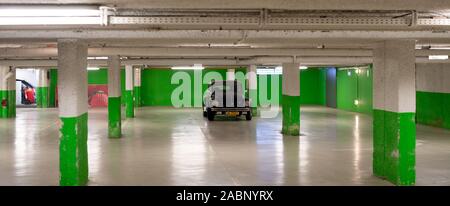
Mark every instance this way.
x=232 y=113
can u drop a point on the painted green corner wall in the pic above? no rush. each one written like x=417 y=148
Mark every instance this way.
x=433 y=109
x=356 y=86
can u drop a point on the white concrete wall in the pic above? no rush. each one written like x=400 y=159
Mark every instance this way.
x=433 y=77
x=28 y=75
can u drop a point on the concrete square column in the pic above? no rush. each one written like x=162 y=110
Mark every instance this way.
x=290 y=101
x=253 y=89
x=7 y=92
x=231 y=74
x=129 y=86
x=73 y=112
x=42 y=90
x=394 y=128
x=137 y=86
x=114 y=102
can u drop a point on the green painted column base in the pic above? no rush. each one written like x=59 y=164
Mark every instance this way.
x=291 y=115
x=394 y=142
x=129 y=104
x=114 y=117
x=8 y=97
x=137 y=96
x=42 y=97
x=73 y=153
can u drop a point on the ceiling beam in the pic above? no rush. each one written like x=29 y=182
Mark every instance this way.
x=187 y=52
x=307 y=61
x=211 y=36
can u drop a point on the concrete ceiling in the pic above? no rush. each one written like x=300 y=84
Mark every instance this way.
x=155 y=40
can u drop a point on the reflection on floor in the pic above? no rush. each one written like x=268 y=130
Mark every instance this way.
x=166 y=146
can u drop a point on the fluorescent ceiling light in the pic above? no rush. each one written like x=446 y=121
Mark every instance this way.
x=93 y=68
x=48 y=11
x=49 y=15
x=10 y=21
x=440 y=48
x=188 y=68
x=438 y=57
x=97 y=58
x=303 y=67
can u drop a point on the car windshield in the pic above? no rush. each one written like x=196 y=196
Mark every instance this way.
x=227 y=87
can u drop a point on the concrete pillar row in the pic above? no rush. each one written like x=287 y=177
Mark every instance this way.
x=73 y=111
x=129 y=87
x=42 y=89
x=394 y=100
x=290 y=100
x=7 y=92
x=253 y=89
x=137 y=86
x=114 y=95
x=231 y=74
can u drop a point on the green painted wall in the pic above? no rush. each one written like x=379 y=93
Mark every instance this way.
x=353 y=85
x=433 y=109
x=156 y=87
x=312 y=87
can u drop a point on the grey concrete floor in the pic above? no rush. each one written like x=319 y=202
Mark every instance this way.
x=166 y=146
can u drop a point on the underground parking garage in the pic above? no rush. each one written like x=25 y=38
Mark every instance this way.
x=165 y=93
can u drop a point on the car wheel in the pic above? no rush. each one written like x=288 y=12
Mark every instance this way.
x=205 y=114
x=210 y=114
x=248 y=116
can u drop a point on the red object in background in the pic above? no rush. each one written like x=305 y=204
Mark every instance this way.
x=98 y=95
x=4 y=102
x=99 y=99
x=29 y=95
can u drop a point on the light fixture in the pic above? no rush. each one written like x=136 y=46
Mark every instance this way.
x=195 y=67
x=49 y=15
x=97 y=58
x=438 y=57
x=303 y=67
x=93 y=68
x=356 y=102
